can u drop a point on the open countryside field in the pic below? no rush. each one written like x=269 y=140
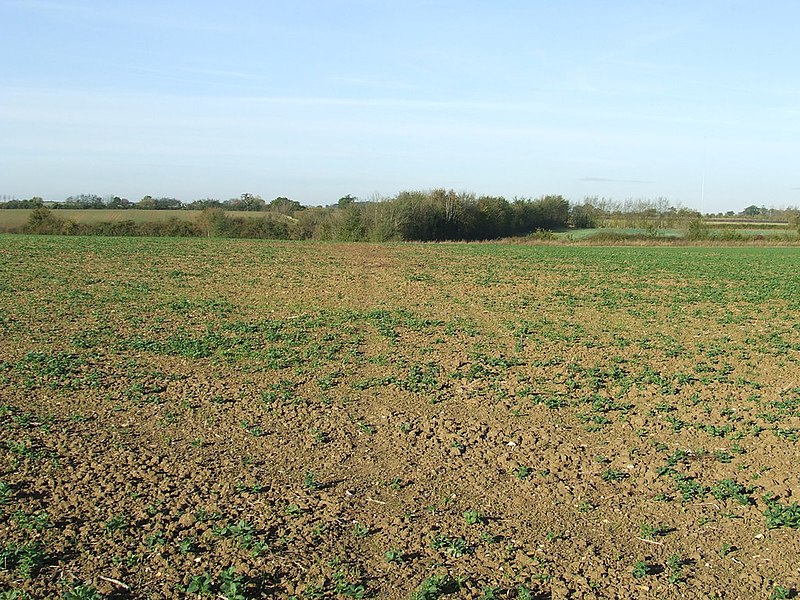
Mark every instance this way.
x=726 y=231
x=246 y=419
x=728 y=234
x=14 y=218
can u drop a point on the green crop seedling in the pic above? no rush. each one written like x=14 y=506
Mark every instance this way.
x=218 y=416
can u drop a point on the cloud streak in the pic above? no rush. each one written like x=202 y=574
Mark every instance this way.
x=611 y=180
x=119 y=13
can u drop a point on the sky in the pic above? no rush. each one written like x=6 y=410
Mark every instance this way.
x=694 y=101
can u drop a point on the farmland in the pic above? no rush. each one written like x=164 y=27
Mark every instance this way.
x=15 y=218
x=246 y=419
x=375 y=222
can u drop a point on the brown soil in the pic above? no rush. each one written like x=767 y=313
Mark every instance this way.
x=323 y=421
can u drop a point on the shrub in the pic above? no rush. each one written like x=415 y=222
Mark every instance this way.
x=43 y=221
x=697 y=230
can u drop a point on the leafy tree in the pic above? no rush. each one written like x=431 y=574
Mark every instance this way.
x=214 y=223
x=547 y=212
x=584 y=216
x=751 y=211
x=553 y=212
x=203 y=204
x=35 y=202
x=524 y=216
x=168 y=204
x=494 y=218
x=42 y=220
x=450 y=210
x=117 y=202
x=146 y=203
x=697 y=230
x=284 y=206
x=150 y=203
x=418 y=218
x=380 y=220
x=346 y=201
x=83 y=201
x=266 y=227
x=434 y=216
x=246 y=202
x=351 y=226
x=313 y=223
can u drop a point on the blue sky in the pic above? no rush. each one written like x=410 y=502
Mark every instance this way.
x=698 y=102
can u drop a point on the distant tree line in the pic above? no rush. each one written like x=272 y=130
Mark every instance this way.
x=34 y=202
x=440 y=215
x=432 y=215
x=245 y=202
x=762 y=213
x=436 y=215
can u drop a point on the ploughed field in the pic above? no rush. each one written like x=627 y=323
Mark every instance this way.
x=245 y=419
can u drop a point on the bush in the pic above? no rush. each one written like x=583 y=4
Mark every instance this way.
x=43 y=221
x=614 y=237
x=172 y=227
x=113 y=228
x=542 y=234
x=266 y=227
x=697 y=230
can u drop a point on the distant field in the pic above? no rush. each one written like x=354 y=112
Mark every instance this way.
x=768 y=232
x=16 y=217
x=744 y=223
x=12 y=219
x=715 y=232
x=582 y=234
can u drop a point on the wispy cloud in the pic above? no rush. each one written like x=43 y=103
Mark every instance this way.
x=118 y=13
x=44 y=5
x=25 y=100
x=400 y=103
x=365 y=82
x=204 y=76
x=612 y=180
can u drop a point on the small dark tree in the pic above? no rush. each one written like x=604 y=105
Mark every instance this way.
x=146 y=203
x=203 y=204
x=214 y=223
x=35 y=202
x=351 y=225
x=284 y=206
x=83 y=201
x=246 y=202
x=697 y=230
x=346 y=201
x=583 y=216
x=553 y=212
x=494 y=218
x=117 y=202
x=150 y=203
x=751 y=211
x=42 y=220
